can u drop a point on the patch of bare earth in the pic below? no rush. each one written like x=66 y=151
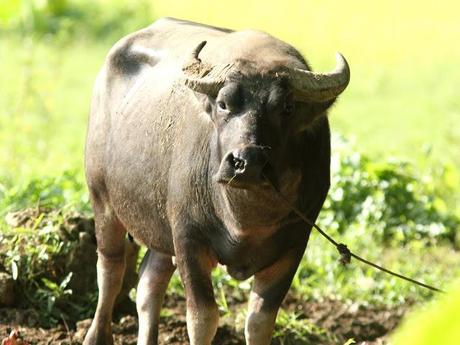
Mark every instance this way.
x=334 y=322
x=368 y=325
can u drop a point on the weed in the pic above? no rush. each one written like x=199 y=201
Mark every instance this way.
x=290 y=330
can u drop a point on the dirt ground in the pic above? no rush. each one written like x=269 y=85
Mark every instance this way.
x=329 y=322
x=340 y=321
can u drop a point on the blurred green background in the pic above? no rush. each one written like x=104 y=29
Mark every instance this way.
x=396 y=182
x=403 y=99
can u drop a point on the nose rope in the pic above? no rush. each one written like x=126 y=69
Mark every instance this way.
x=345 y=253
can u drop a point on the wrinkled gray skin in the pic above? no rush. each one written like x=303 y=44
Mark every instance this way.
x=160 y=165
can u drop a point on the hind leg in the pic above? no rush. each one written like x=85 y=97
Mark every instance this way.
x=155 y=273
x=110 y=235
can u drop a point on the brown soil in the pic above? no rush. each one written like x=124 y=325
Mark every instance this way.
x=328 y=322
x=335 y=322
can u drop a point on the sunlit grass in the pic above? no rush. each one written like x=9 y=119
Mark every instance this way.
x=321 y=274
x=46 y=90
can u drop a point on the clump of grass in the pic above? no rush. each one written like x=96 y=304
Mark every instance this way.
x=40 y=252
x=291 y=330
x=37 y=239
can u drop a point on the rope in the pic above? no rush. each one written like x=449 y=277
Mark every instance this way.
x=345 y=253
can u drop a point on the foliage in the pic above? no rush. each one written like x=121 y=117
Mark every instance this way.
x=388 y=214
x=37 y=255
x=435 y=324
x=36 y=250
x=66 y=19
x=387 y=199
x=291 y=330
x=43 y=108
x=46 y=193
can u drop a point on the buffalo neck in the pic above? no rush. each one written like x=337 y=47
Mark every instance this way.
x=243 y=212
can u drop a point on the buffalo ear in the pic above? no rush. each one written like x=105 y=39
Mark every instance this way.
x=307 y=113
x=205 y=102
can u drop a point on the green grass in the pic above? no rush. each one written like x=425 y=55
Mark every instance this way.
x=321 y=274
x=46 y=90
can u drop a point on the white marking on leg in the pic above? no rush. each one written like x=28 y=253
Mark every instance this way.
x=202 y=324
x=259 y=324
x=155 y=274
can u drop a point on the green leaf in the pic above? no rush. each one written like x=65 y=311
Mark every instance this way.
x=50 y=284
x=437 y=324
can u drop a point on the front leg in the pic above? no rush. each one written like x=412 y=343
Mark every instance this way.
x=268 y=291
x=195 y=263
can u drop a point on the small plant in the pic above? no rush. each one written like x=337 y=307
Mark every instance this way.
x=38 y=255
x=350 y=341
x=292 y=330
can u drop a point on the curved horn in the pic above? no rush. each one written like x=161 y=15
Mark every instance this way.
x=196 y=73
x=194 y=56
x=320 y=87
x=204 y=85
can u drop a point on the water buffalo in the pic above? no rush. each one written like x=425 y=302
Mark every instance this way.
x=191 y=127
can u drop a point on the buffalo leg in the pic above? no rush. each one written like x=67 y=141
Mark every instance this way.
x=110 y=236
x=155 y=273
x=270 y=287
x=195 y=264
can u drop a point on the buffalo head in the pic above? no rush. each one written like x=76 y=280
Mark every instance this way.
x=259 y=115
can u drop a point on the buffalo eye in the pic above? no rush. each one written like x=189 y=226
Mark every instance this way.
x=221 y=105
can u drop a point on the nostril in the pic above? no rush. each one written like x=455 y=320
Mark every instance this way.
x=238 y=163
